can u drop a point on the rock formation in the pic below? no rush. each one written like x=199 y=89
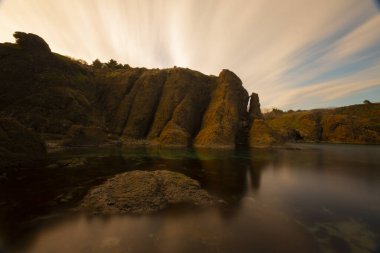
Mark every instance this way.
x=170 y=107
x=356 y=124
x=62 y=98
x=31 y=42
x=261 y=135
x=254 y=107
x=222 y=119
x=18 y=146
x=144 y=192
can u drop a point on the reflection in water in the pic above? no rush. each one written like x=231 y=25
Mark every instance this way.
x=308 y=198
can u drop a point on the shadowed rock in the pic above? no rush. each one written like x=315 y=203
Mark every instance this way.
x=184 y=108
x=143 y=192
x=254 y=107
x=115 y=97
x=18 y=146
x=144 y=98
x=85 y=136
x=31 y=42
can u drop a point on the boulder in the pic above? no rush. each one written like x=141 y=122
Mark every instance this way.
x=144 y=192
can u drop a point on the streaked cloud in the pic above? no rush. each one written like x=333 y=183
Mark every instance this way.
x=294 y=53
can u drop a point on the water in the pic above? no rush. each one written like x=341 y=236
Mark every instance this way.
x=304 y=198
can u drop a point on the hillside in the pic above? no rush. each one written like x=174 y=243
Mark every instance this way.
x=61 y=98
x=65 y=102
x=355 y=124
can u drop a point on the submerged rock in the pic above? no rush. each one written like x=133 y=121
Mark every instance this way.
x=144 y=192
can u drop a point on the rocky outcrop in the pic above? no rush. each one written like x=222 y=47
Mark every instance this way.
x=144 y=192
x=185 y=97
x=261 y=135
x=356 y=124
x=359 y=124
x=53 y=94
x=222 y=119
x=42 y=90
x=170 y=107
x=31 y=42
x=254 y=107
x=18 y=146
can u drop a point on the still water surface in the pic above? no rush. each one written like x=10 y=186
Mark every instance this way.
x=304 y=198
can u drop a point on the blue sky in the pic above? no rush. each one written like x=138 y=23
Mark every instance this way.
x=294 y=53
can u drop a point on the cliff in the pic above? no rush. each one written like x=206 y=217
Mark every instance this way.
x=355 y=124
x=65 y=99
x=75 y=104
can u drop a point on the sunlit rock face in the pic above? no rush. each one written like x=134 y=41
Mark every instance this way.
x=224 y=115
x=261 y=135
x=170 y=107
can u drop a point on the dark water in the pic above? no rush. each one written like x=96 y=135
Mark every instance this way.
x=307 y=198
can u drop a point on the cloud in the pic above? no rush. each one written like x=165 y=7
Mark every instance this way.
x=284 y=50
x=327 y=91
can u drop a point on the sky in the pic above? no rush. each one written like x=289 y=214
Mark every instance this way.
x=296 y=54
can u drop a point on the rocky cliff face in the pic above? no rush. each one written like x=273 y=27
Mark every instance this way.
x=224 y=116
x=254 y=107
x=356 y=124
x=65 y=99
x=53 y=95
